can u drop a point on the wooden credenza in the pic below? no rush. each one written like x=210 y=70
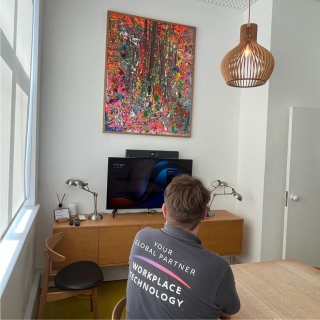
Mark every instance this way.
x=108 y=241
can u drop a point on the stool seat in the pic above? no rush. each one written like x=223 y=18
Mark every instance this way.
x=78 y=276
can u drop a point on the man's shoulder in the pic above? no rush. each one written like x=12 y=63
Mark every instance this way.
x=148 y=230
x=214 y=258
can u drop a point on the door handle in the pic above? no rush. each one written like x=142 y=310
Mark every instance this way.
x=294 y=197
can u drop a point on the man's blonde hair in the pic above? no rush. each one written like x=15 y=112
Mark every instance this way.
x=186 y=199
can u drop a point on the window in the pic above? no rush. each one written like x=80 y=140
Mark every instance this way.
x=16 y=115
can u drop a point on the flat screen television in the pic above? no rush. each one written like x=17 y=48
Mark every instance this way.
x=139 y=183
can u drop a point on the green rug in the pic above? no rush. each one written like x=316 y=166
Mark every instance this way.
x=109 y=293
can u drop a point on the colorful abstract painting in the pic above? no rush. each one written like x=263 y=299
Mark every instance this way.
x=148 y=76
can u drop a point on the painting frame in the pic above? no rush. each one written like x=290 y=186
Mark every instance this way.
x=149 y=76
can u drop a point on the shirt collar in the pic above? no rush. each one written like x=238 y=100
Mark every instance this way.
x=180 y=234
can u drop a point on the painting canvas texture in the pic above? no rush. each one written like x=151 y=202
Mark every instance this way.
x=148 y=76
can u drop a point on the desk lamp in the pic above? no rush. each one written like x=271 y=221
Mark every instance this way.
x=84 y=186
x=216 y=184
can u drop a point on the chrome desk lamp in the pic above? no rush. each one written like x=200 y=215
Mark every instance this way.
x=84 y=186
x=230 y=191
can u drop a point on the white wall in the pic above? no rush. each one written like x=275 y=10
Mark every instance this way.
x=237 y=135
x=73 y=59
x=252 y=143
x=289 y=29
x=295 y=83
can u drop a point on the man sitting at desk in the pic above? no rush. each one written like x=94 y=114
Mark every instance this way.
x=171 y=276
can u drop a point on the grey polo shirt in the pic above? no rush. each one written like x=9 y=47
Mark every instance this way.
x=171 y=276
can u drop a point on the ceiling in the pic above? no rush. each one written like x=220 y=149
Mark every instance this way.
x=237 y=4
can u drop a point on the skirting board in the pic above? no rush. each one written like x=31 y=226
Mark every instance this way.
x=237 y=260
x=232 y=259
x=31 y=308
x=115 y=273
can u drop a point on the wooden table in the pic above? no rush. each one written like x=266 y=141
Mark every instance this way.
x=282 y=289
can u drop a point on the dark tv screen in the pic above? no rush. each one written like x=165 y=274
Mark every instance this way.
x=137 y=183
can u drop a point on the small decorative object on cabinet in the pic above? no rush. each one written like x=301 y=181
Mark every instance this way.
x=61 y=213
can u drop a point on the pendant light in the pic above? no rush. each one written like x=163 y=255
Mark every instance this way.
x=248 y=64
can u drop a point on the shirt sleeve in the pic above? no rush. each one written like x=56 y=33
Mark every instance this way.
x=227 y=296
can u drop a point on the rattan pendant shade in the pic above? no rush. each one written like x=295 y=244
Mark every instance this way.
x=248 y=64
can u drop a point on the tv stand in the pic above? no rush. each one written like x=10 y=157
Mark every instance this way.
x=111 y=239
x=114 y=213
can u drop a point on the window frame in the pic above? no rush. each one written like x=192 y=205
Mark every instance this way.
x=14 y=237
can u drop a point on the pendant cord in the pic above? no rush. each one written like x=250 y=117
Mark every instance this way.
x=249 y=13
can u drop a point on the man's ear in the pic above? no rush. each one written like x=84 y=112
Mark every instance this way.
x=205 y=213
x=164 y=210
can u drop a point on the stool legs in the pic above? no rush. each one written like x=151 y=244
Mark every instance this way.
x=94 y=303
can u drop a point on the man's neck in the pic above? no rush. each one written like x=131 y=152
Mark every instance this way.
x=194 y=231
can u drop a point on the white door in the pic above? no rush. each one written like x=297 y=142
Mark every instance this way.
x=302 y=214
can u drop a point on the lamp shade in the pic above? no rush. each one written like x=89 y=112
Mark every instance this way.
x=75 y=182
x=237 y=195
x=248 y=64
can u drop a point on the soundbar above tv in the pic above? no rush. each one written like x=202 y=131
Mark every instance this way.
x=152 y=154
x=139 y=183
